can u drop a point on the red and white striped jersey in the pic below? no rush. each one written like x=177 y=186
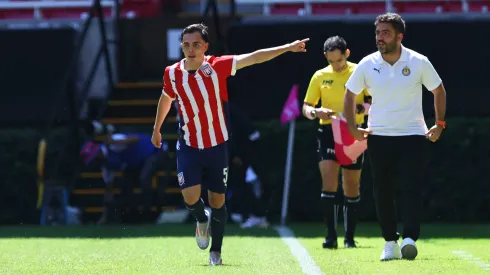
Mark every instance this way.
x=200 y=96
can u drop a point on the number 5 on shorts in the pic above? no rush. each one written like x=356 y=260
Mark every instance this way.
x=225 y=175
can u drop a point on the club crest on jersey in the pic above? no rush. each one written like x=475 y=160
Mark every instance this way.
x=207 y=70
x=180 y=178
x=406 y=71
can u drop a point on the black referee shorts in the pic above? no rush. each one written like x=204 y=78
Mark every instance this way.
x=326 y=148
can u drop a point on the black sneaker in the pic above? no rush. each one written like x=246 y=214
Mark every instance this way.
x=350 y=244
x=330 y=243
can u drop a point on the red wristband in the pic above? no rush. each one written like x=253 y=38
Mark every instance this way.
x=441 y=123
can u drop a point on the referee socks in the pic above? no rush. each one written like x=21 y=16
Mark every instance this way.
x=350 y=216
x=330 y=210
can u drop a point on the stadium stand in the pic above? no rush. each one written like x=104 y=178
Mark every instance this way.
x=75 y=9
x=132 y=108
x=348 y=7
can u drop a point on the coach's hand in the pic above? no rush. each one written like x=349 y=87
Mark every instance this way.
x=298 y=45
x=156 y=139
x=434 y=133
x=359 y=133
x=324 y=113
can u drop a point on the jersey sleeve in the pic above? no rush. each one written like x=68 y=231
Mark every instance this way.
x=357 y=82
x=225 y=65
x=167 y=84
x=430 y=78
x=365 y=92
x=313 y=94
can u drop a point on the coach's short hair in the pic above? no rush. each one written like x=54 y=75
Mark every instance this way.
x=394 y=19
x=200 y=28
x=335 y=43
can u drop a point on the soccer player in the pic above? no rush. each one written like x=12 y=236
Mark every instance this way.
x=327 y=85
x=397 y=135
x=198 y=83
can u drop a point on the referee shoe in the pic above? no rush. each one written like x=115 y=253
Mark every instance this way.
x=409 y=249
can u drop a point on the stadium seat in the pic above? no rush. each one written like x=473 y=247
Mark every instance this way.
x=372 y=7
x=439 y=6
x=349 y=8
x=478 y=6
x=129 y=8
x=286 y=9
x=17 y=14
x=377 y=7
x=141 y=8
x=70 y=13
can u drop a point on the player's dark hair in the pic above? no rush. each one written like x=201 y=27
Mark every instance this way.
x=200 y=28
x=335 y=43
x=394 y=19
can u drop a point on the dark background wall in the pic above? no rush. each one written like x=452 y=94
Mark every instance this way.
x=458 y=51
x=33 y=63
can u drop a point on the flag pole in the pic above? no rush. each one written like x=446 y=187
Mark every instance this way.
x=287 y=174
x=289 y=114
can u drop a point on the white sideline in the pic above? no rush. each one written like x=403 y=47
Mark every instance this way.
x=472 y=259
x=307 y=264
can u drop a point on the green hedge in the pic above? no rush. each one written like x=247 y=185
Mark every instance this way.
x=18 y=189
x=457 y=186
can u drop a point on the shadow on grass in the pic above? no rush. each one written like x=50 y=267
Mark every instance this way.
x=301 y=230
x=428 y=231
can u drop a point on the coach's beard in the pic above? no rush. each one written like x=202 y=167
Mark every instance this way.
x=388 y=48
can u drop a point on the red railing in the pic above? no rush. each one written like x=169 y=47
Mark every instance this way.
x=352 y=7
x=74 y=9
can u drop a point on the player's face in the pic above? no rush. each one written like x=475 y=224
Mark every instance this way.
x=386 y=38
x=336 y=59
x=193 y=46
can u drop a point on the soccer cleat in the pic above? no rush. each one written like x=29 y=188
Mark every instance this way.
x=202 y=232
x=255 y=222
x=409 y=249
x=391 y=251
x=350 y=244
x=215 y=258
x=330 y=243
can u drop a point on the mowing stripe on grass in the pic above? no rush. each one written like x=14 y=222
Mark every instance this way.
x=307 y=263
x=472 y=259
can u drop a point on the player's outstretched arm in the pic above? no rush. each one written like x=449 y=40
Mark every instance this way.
x=260 y=56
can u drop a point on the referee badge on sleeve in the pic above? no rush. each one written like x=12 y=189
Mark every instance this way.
x=207 y=70
x=406 y=71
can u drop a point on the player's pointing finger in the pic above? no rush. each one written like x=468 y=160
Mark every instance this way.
x=305 y=40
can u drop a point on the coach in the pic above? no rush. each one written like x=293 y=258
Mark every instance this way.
x=398 y=134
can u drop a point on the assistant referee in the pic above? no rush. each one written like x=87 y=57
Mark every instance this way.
x=398 y=135
x=327 y=85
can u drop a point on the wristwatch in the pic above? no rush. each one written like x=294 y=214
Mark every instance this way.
x=313 y=113
x=441 y=123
